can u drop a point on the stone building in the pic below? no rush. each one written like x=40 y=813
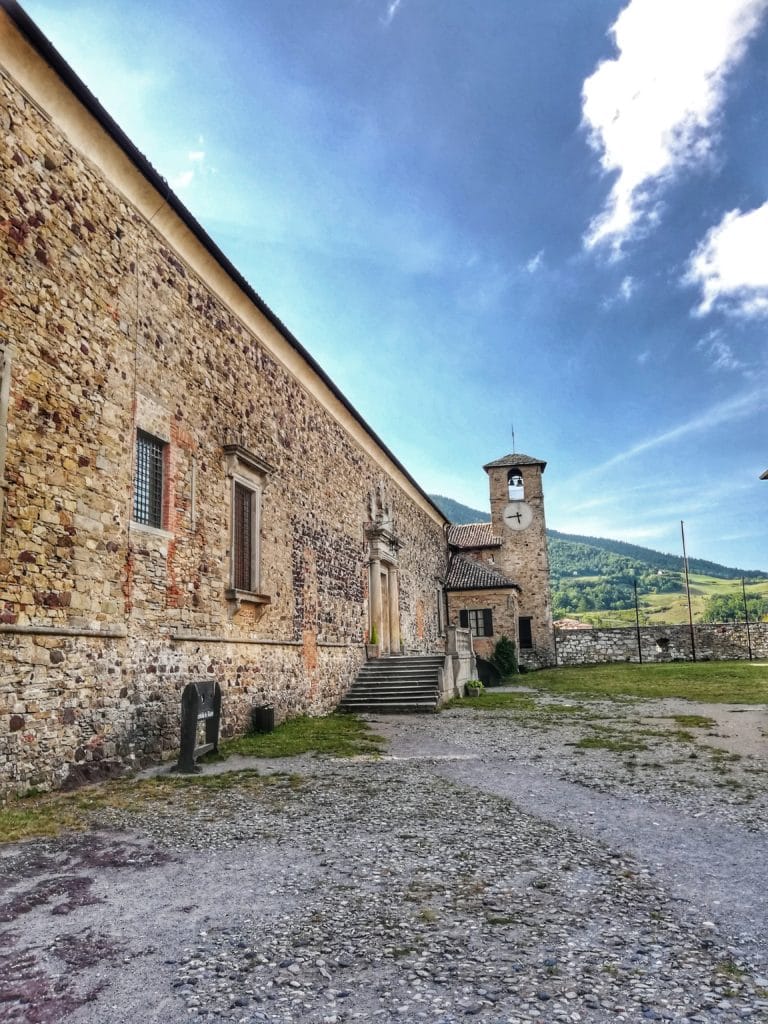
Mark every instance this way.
x=498 y=576
x=184 y=493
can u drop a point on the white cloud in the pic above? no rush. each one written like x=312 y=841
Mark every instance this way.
x=535 y=262
x=652 y=110
x=392 y=8
x=627 y=288
x=196 y=155
x=731 y=264
x=182 y=180
x=720 y=354
x=739 y=406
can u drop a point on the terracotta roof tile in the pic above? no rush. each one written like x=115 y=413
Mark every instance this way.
x=515 y=459
x=467 y=574
x=472 y=535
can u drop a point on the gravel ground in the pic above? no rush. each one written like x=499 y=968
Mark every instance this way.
x=483 y=869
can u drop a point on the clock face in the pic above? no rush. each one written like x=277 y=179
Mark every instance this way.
x=517 y=515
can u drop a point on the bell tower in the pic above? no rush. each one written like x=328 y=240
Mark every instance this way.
x=517 y=517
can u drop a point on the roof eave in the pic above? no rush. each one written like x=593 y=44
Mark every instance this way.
x=490 y=586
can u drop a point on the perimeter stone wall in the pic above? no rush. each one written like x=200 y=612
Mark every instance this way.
x=102 y=621
x=722 y=641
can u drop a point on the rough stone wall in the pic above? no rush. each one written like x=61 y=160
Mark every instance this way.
x=723 y=641
x=525 y=559
x=111 y=331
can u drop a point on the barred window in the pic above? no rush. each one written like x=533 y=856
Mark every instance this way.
x=243 y=537
x=148 y=489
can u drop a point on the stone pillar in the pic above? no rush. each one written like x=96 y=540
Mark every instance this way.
x=375 y=599
x=394 y=611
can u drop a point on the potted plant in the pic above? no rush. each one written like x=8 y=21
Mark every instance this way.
x=473 y=687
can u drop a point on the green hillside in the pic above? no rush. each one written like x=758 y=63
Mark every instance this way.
x=458 y=513
x=593 y=579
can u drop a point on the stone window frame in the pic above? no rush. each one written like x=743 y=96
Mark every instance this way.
x=475 y=618
x=161 y=528
x=246 y=470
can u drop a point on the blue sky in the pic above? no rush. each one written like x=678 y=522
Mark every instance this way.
x=478 y=214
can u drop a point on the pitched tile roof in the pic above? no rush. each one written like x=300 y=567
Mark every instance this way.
x=515 y=459
x=472 y=535
x=467 y=574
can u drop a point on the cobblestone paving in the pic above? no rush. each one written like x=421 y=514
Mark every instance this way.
x=404 y=889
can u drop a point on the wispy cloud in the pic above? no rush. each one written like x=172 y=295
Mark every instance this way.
x=195 y=157
x=182 y=180
x=723 y=412
x=731 y=265
x=393 y=6
x=644 y=356
x=627 y=288
x=652 y=110
x=535 y=262
x=719 y=353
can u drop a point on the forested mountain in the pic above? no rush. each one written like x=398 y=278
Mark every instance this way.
x=592 y=574
x=633 y=553
x=458 y=513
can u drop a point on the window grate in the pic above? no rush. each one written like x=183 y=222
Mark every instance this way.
x=243 y=538
x=148 y=493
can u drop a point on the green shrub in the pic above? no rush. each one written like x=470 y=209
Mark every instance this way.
x=504 y=657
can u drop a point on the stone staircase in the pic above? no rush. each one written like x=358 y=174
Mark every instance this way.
x=400 y=685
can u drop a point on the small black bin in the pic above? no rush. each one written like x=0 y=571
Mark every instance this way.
x=263 y=718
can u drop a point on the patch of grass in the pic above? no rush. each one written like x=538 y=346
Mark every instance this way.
x=730 y=968
x=490 y=700
x=694 y=721
x=716 y=682
x=614 y=743
x=682 y=736
x=49 y=814
x=334 y=735
x=427 y=915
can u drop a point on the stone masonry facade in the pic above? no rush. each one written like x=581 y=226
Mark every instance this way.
x=503 y=604
x=114 y=320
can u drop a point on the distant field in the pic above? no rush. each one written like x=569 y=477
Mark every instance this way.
x=672 y=609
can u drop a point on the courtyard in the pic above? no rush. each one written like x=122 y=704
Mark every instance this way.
x=544 y=853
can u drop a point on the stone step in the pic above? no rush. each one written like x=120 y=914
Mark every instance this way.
x=393 y=708
x=388 y=698
x=393 y=685
x=375 y=667
x=411 y=673
x=393 y=680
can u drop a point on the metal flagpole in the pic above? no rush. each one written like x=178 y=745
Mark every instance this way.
x=637 y=624
x=688 y=592
x=746 y=617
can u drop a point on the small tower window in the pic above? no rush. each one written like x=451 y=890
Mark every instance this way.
x=515 y=484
